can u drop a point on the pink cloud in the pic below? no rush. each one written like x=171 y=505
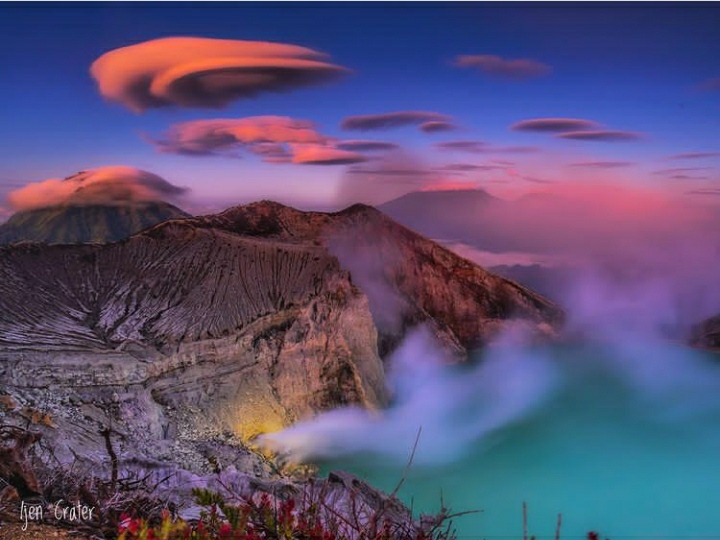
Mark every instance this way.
x=106 y=185
x=523 y=68
x=220 y=136
x=202 y=72
x=369 y=122
x=275 y=139
x=316 y=154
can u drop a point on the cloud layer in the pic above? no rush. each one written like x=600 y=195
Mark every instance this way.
x=106 y=185
x=523 y=68
x=372 y=122
x=276 y=139
x=201 y=72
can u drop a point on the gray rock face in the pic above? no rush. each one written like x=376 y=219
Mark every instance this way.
x=194 y=336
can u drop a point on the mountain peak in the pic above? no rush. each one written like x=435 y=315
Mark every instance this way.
x=77 y=224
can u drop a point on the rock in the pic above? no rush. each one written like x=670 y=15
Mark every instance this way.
x=192 y=337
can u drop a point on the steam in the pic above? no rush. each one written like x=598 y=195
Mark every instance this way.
x=644 y=269
x=452 y=407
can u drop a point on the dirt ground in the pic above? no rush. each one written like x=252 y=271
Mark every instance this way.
x=13 y=531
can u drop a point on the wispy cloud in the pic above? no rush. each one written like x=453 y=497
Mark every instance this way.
x=687 y=177
x=391 y=120
x=695 y=155
x=390 y=171
x=367 y=146
x=437 y=127
x=579 y=129
x=481 y=147
x=536 y=180
x=471 y=167
x=554 y=125
x=522 y=68
x=474 y=147
x=201 y=72
x=513 y=149
x=601 y=135
x=602 y=164
x=710 y=192
x=679 y=170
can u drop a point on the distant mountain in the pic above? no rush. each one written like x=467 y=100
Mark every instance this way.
x=487 y=223
x=440 y=214
x=74 y=224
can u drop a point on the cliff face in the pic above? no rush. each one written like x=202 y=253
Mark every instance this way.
x=72 y=224
x=203 y=332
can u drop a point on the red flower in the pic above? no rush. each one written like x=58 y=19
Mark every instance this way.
x=127 y=523
x=592 y=535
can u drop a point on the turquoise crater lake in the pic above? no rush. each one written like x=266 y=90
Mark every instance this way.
x=625 y=440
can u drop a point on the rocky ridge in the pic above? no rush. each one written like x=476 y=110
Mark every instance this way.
x=190 y=338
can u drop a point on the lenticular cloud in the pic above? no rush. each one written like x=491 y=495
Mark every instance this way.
x=201 y=72
x=105 y=185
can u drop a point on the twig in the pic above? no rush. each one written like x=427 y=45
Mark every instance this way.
x=525 y=521
x=408 y=464
x=557 y=528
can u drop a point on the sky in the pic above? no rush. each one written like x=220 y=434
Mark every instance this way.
x=507 y=97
